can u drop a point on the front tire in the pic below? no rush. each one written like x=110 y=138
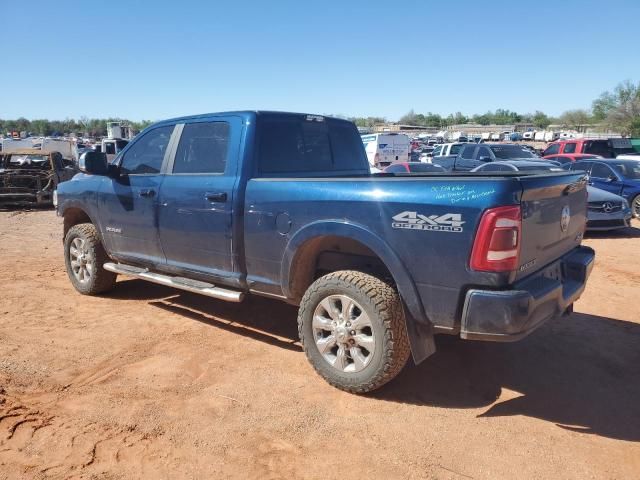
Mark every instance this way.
x=84 y=257
x=353 y=330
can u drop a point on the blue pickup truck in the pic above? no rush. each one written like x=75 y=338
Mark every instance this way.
x=284 y=205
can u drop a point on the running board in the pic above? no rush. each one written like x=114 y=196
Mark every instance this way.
x=187 y=284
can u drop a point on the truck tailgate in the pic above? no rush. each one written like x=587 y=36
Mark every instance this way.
x=554 y=215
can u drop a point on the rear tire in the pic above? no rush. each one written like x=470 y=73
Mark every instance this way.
x=353 y=330
x=84 y=257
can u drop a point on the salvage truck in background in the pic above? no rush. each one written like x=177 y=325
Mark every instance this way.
x=283 y=205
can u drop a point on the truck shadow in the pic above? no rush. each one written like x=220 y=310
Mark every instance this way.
x=628 y=232
x=581 y=373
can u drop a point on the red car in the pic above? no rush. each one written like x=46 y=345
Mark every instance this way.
x=608 y=148
x=570 y=157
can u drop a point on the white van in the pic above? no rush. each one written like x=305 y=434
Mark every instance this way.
x=383 y=149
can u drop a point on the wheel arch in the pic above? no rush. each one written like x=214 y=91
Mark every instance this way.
x=74 y=215
x=307 y=246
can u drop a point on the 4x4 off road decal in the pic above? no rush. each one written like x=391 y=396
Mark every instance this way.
x=449 y=222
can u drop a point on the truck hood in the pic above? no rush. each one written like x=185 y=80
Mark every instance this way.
x=598 y=195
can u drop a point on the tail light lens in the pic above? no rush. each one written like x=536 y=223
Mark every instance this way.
x=497 y=244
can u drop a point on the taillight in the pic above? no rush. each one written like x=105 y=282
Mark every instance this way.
x=497 y=244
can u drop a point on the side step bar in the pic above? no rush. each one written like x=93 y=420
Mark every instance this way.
x=187 y=284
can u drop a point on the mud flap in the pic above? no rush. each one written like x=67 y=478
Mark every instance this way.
x=421 y=338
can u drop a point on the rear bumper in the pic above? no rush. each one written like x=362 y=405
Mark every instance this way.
x=506 y=316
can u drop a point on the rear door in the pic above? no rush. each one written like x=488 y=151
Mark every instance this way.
x=554 y=214
x=401 y=148
x=386 y=149
x=196 y=198
x=128 y=204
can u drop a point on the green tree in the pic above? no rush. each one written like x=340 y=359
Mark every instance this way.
x=409 y=118
x=624 y=93
x=620 y=109
x=541 y=120
x=575 y=118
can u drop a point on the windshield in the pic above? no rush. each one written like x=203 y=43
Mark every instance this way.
x=628 y=169
x=505 y=152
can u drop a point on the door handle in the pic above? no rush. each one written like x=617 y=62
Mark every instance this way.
x=219 y=197
x=147 y=192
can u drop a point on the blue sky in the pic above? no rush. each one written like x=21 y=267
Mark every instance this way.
x=159 y=59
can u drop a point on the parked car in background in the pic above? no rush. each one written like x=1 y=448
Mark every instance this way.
x=607 y=148
x=528 y=136
x=605 y=210
x=426 y=154
x=621 y=177
x=413 y=167
x=473 y=155
x=29 y=176
x=386 y=148
x=570 y=157
x=519 y=166
x=446 y=150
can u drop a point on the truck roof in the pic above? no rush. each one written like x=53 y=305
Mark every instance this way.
x=243 y=113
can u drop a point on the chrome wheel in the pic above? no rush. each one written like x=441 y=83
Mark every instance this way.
x=82 y=261
x=343 y=333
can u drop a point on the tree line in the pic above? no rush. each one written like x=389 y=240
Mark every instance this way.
x=92 y=127
x=618 y=110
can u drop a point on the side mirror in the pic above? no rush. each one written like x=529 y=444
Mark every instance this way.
x=93 y=163
x=484 y=158
x=612 y=178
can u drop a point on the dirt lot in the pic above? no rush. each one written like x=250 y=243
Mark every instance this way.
x=150 y=382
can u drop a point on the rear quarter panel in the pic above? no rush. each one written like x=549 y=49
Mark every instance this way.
x=278 y=212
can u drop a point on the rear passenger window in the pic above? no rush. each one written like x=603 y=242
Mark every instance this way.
x=202 y=148
x=569 y=148
x=288 y=145
x=467 y=152
x=146 y=154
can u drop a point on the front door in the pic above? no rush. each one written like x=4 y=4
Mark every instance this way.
x=603 y=177
x=128 y=204
x=196 y=198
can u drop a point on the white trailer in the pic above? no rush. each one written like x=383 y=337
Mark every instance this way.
x=539 y=136
x=551 y=136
